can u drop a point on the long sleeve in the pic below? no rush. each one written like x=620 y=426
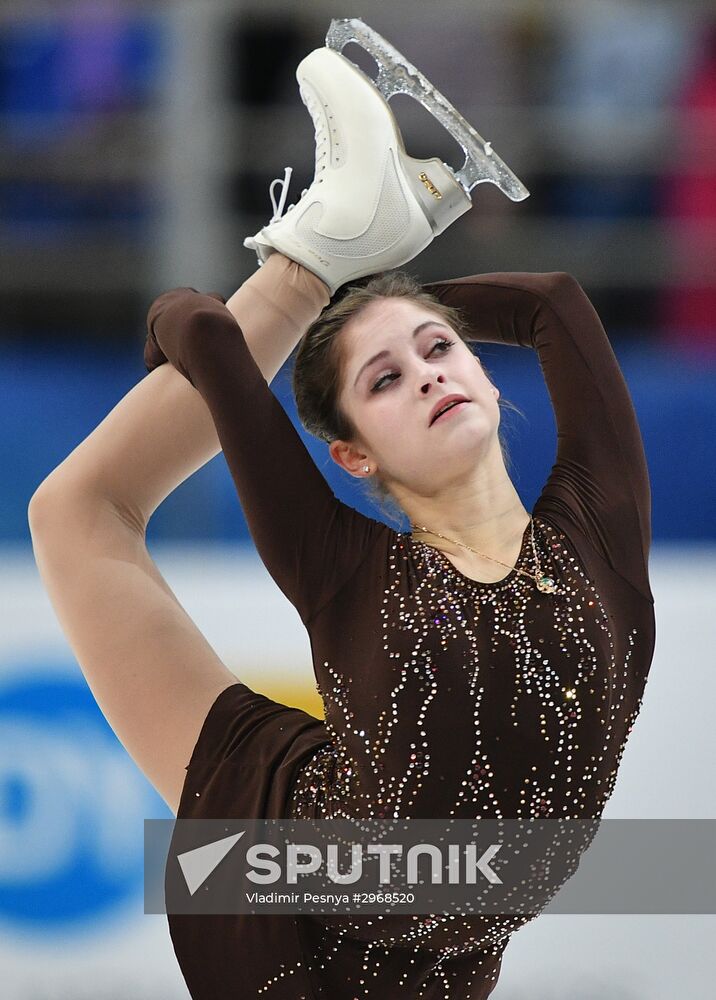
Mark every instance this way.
x=309 y=541
x=599 y=481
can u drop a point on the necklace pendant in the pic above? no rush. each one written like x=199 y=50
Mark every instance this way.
x=546 y=584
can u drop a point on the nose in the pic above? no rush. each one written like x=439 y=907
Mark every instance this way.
x=428 y=381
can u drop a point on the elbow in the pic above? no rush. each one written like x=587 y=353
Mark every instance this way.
x=559 y=283
x=196 y=312
x=561 y=287
x=188 y=310
x=198 y=322
x=210 y=317
x=563 y=292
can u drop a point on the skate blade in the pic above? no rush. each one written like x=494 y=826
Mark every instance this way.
x=398 y=76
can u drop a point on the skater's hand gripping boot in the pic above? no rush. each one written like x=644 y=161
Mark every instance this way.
x=371 y=206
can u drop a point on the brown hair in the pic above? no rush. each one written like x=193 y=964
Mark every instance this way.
x=317 y=370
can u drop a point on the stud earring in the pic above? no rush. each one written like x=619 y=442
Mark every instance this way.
x=366 y=468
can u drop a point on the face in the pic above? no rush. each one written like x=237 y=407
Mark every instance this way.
x=399 y=361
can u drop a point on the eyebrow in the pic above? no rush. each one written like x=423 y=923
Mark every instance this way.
x=384 y=354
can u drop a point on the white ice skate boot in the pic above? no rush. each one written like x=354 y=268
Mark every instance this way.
x=371 y=206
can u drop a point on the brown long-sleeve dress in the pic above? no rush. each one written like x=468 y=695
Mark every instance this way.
x=444 y=696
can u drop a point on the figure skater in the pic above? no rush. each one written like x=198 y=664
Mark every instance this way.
x=488 y=663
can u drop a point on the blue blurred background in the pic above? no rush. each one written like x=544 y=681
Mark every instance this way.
x=137 y=149
x=137 y=144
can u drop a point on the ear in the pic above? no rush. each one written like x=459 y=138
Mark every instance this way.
x=350 y=458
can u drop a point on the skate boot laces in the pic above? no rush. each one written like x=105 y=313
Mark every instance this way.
x=321 y=146
x=284 y=182
x=320 y=132
x=321 y=142
x=277 y=206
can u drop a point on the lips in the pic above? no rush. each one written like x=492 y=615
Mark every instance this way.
x=445 y=401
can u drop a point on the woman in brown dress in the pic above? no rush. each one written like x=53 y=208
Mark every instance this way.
x=489 y=663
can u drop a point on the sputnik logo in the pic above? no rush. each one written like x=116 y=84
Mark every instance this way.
x=198 y=864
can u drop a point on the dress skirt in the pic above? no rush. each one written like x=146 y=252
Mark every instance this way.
x=243 y=766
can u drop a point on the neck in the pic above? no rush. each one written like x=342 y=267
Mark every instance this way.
x=483 y=511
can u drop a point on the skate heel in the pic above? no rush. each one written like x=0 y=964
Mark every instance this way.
x=441 y=196
x=398 y=76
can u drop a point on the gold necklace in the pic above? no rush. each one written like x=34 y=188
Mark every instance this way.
x=544 y=583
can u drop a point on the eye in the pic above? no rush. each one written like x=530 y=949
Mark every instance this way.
x=377 y=386
x=444 y=346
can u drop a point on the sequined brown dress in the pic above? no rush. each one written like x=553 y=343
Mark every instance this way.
x=443 y=696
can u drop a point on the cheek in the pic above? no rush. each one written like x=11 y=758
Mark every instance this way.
x=384 y=421
x=386 y=429
x=370 y=421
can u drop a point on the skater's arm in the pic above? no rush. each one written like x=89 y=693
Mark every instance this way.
x=310 y=542
x=151 y=670
x=162 y=431
x=600 y=479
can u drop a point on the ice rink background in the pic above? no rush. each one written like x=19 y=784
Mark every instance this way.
x=138 y=142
